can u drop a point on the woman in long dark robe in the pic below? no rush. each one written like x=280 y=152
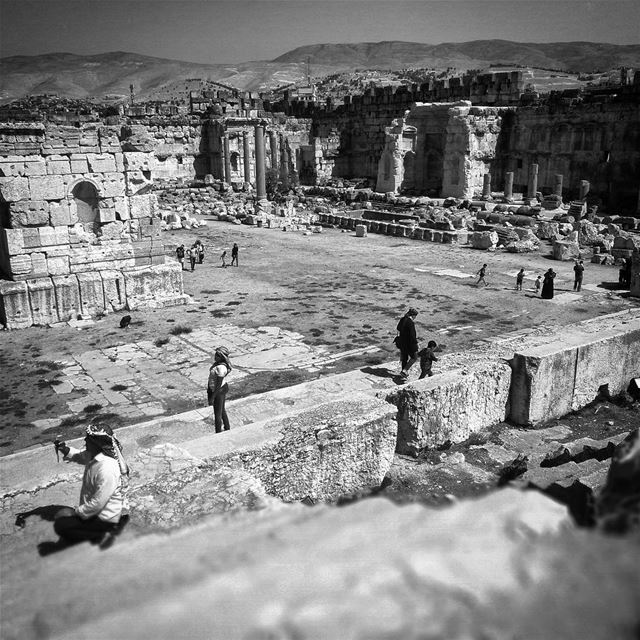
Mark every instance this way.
x=547 y=284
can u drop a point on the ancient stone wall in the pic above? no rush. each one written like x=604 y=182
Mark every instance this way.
x=598 y=142
x=73 y=202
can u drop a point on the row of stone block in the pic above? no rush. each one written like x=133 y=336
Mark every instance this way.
x=43 y=301
x=541 y=382
x=58 y=164
x=395 y=229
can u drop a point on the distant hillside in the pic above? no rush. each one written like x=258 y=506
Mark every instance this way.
x=569 y=56
x=76 y=76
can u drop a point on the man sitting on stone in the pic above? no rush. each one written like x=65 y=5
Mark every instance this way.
x=104 y=507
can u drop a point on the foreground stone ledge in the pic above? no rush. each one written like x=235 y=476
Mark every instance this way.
x=323 y=453
x=450 y=406
x=504 y=566
x=565 y=374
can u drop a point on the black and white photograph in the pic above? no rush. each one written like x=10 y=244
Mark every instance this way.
x=320 y=319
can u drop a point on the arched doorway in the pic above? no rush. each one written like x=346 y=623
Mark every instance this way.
x=85 y=196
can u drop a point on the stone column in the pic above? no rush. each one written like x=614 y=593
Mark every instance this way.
x=227 y=158
x=261 y=189
x=532 y=187
x=246 y=145
x=585 y=186
x=273 y=149
x=508 y=185
x=557 y=185
x=486 y=186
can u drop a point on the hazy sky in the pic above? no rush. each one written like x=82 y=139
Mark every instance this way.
x=216 y=31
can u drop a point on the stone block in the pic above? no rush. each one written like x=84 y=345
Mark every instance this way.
x=13 y=241
x=15 y=310
x=154 y=286
x=322 y=453
x=15 y=188
x=121 y=206
x=114 y=289
x=57 y=266
x=47 y=236
x=11 y=168
x=67 y=296
x=137 y=161
x=58 y=165
x=31 y=238
x=565 y=374
x=20 y=265
x=450 y=406
x=101 y=163
x=30 y=213
x=79 y=163
x=38 y=265
x=106 y=214
x=43 y=301
x=113 y=185
x=90 y=285
x=50 y=187
x=61 y=235
x=563 y=250
x=35 y=166
x=60 y=214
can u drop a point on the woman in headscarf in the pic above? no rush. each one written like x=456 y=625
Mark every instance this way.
x=217 y=388
x=104 y=506
x=547 y=284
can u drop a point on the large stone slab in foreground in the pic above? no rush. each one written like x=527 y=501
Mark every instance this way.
x=451 y=405
x=322 y=453
x=504 y=566
x=565 y=374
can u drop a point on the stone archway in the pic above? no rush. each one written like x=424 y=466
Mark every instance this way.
x=85 y=196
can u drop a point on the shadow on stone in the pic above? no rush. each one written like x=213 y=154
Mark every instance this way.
x=381 y=372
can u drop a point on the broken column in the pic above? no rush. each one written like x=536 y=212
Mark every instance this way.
x=532 y=187
x=486 y=186
x=247 y=156
x=557 y=184
x=585 y=186
x=227 y=158
x=273 y=147
x=508 y=185
x=262 y=204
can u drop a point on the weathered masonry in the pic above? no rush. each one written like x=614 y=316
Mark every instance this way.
x=79 y=232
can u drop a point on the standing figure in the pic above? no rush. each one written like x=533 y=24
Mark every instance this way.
x=180 y=255
x=234 y=255
x=427 y=358
x=104 y=506
x=223 y=258
x=538 y=284
x=200 y=248
x=547 y=284
x=407 y=342
x=578 y=271
x=193 y=254
x=519 y=280
x=217 y=388
x=481 y=274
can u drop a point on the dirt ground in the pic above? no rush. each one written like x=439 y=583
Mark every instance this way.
x=333 y=288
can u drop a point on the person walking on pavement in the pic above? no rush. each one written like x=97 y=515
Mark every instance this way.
x=578 y=271
x=547 y=284
x=519 y=280
x=538 y=284
x=200 y=248
x=407 y=342
x=192 y=253
x=180 y=255
x=217 y=388
x=223 y=258
x=482 y=272
x=234 y=255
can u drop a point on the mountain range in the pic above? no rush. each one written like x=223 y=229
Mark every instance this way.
x=80 y=76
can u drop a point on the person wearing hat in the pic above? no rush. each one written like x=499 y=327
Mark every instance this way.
x=407 y=341
x=217 y=388
x=104 y=506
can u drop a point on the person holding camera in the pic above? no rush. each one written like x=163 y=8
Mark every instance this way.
x=103 y=508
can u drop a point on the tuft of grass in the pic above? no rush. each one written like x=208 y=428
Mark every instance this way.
x=180 y=329
x=159 y=342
